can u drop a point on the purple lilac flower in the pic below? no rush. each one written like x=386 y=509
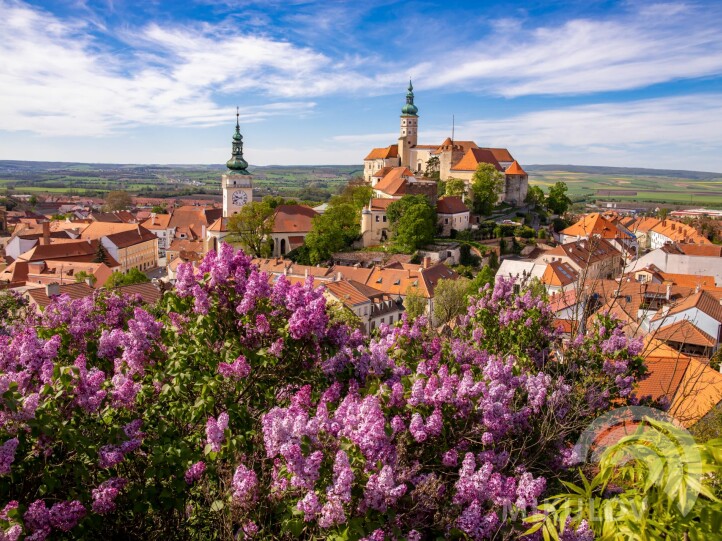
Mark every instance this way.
x=309 y=505
x=244 y=485
x=104 y=496
x=238 y=369
x=195 y=472
x=7 y=455
x=215 y=431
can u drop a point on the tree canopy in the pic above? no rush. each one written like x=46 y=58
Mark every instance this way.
x=117 y=200
x=455 y=186
x=450 y=299
x=557 y=201
x=486 y=185
x=133 y=276
x=252 y=227
x=535 y=197
x=412 y=220
x=332 y=231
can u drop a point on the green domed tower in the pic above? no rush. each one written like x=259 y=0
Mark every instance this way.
x=236 y=183
x=409 y=128
x=410 y=109
x=237 y=164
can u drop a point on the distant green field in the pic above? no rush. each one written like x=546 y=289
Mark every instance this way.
x=593 y=187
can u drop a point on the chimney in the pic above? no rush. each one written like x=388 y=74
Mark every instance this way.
x=426 y=263
x=664 y=223
x=339 y=277
x=668 y=296
x=46 y=233
x=90 y=281
x=52 y=290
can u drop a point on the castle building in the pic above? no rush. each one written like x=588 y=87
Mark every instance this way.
x=455 y=159
x=237 y=185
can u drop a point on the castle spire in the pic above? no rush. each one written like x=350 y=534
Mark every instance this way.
x=410 y=109
x=237 y=164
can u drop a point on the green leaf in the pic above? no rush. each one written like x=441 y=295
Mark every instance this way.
x=217 y=505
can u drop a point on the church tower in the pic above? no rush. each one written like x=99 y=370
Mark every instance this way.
x=236 y=183
x=409 y=128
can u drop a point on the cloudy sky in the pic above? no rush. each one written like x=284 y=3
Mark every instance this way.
x=629 y=83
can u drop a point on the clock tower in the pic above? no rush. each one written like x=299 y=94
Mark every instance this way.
x=236 y=183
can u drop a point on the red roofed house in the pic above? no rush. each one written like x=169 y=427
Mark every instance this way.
x=452 y=213
x=373 y=307
x=291 y=224
x=702 y=311
x=379 y=158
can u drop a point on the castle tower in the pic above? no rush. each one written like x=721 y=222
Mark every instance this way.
x=236 y=185
x=409 y=127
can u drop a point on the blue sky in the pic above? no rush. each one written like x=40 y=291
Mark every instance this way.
x=631 y=83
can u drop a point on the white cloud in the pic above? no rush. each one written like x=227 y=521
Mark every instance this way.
x=681 y=132
x=654 y=44
x=55 y=81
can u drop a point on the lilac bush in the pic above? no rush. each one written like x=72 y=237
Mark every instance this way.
x=236 y=408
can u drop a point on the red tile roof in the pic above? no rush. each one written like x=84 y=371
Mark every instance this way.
x=451 y=204
x=685 y=332
x=475 y=156
x=293 y=219
x=391 y=151
x=503 y=155
x=514 y=169
x=394 y=183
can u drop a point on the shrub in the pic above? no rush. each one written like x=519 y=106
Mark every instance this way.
x=236 y=408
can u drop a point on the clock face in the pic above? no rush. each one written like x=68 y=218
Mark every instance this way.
x=239 y=198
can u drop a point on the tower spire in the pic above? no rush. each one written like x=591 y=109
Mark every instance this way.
x=237 y=164
x=409 y=109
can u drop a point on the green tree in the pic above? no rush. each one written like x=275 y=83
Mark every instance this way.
x=558 y=201
x=535 y=197
x=450 y=299
x=82 y=276
x=332 y=231
x=357 y=193
x=101 y=254
x=159 y=209
x=412 y=219
x=117 y=200
x=133 y=276
x=433 y=166
x=414 y=303
x=486 y=185
x=252 y=227
x=485 y=276
x=455 y=186
x=33 y=200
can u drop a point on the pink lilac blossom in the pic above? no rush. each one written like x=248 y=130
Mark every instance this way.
x=382 y=490
x=195 y=472
x=11 y=534
x=104 y=496
x=309 y=505
x=238 y=369
x=37 y=519
x=7 y=455
x=66 y=515
x=244 y=485
x=215 y=431
x=250 y=528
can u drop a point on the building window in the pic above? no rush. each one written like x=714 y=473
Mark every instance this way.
x=384 y=217
x=377 y=218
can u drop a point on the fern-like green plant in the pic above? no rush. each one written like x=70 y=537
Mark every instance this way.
x=656 y=484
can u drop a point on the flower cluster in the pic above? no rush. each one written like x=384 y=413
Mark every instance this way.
x=408 y=433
